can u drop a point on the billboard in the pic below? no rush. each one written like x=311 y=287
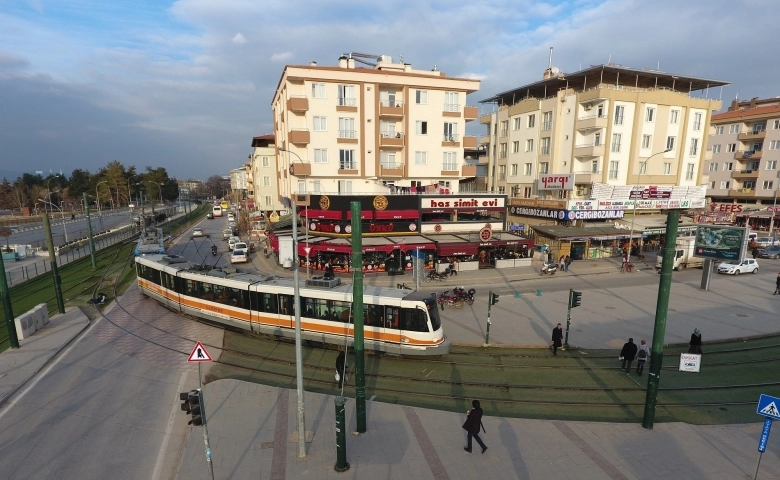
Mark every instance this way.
x=720 y=243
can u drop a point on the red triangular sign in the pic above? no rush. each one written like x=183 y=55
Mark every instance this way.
x=199 y=354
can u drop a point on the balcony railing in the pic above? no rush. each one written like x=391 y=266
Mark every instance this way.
x=450 y=167
x=347 y=134
x=391 y=165
x=451 y=107
x=389 y=134
x=347 y=165
x=389 y=104
x=347 y=102
x=451 y=138
x=546 y=125
x=392 y=139
x=588 y=117
x=544 y=151
x=504 y=132
x=502 y=154
x=619 y=120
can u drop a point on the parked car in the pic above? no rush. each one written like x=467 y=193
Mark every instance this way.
x=227 y=233
x=770 y=252
x=238 y=256
x=767 y=241
x=232 y=241
x=197 y=232
x=746 y=266
x=210 y=216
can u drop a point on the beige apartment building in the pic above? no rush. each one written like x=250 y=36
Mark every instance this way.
x=381 y=129
x=745 y=149
x=265 y=174
x=605 y=124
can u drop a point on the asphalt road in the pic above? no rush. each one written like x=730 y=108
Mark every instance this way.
x=33 y=234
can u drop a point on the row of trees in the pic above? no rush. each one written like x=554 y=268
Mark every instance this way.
x=113 y=185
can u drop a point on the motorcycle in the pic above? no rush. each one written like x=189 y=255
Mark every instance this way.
x=251 y=248
x=549 y=269
x=466 y=296
x=214 y=250
x=451 y=300
x=432 y=275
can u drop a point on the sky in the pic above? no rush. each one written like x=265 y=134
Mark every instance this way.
x=186 y=84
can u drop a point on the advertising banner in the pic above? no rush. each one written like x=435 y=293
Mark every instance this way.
x=720 y=243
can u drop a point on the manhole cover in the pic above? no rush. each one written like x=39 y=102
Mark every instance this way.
x=742 y=315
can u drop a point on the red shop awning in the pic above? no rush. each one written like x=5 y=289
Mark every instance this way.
x=323 y=214
x=396 y=214
x=326 y=248
x=445 y=249
x=413 y=246
x=364 y=214
x=498 y=243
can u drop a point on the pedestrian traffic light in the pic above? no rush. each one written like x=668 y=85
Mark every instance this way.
x=575 y=299
x=493 y=298
x=192 y=401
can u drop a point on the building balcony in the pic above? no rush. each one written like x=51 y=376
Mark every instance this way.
x=298 y=104
x=450 y=172
x=592 y=122
x=451 y=110
x=589 y=150
x=748 y=155
x=346 y=104
x=395 y=110
x=299 y=136
x=468 y=171
x=747 y=136
x=300 y=169
x=470 y=113
x=586 y=177
x=392 y=140
x=745 y=173
x=469 y=141
x=486 y=119
x=450 y=141
x=394 y=169
x=484 y=140
x=347 y=136
x=743 y=193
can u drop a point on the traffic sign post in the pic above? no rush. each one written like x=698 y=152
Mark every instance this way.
x=200 y=355
x=768 y=407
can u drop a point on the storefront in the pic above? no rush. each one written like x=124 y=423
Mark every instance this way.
x=581 y=243
x=653 y=229
x=526 y=211
x=458 y=214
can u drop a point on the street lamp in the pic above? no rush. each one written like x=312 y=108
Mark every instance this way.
x=633 y=215
x=97 y=200
x=62 y=214
x=308 y=275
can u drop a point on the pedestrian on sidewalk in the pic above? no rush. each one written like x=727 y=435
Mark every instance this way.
x=641 y=357
x=557 y=338
x=628 y=353
x=777 y=285
x=562 y=263
x=694 y=346
x=341 y=368
x=472 y=426
x=567 y=262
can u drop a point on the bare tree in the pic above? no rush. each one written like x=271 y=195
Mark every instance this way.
x=6 y=232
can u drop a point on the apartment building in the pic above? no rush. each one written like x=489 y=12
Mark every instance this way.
x=744 y=150
x=238 y=184
x=606 y=124
x=265 y=174
x=383 y=128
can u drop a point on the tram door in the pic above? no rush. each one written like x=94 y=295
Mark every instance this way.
x=391 y=333
x=286 y=311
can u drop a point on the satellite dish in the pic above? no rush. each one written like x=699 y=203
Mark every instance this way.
x=555 y=70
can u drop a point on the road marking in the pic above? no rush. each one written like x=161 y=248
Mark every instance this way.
x=168 y=429
x=426 y=446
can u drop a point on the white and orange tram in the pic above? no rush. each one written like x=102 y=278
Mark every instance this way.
x=396 y=321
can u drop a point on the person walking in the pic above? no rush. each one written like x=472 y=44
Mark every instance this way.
x=472 y=426
x=755 y=252
x=777 y=285
x=628 y=353
x=694 y=346
x=341 y=368
x=557 y=339
x=641 y=357
x=562 y=263
x=567 y=262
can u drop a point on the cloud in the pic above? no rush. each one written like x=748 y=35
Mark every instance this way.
x=239 y=39
x=281 y=56
x=10 y=61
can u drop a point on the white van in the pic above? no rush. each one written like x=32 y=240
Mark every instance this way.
x=217 y=211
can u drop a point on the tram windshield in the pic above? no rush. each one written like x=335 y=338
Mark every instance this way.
x=433 y=312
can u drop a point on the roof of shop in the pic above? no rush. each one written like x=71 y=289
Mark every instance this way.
x=561 y=231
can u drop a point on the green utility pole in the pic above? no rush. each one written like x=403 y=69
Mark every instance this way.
x=7 y=307
x=53 y=260
x=661 y=311
x=574 y=301
x=357 y=309
x=89 y=230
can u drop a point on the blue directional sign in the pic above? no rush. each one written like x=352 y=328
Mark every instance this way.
x=764 y=435
x=769 y=407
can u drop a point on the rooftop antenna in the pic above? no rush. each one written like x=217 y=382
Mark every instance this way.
x=658 y=68
x=549 y=62
x=609 y=61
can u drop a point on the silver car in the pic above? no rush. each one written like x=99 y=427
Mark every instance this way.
x=227 y=233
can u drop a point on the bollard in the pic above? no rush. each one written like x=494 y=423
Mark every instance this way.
x=341 y=437
x=517 y=293
x=538 y=292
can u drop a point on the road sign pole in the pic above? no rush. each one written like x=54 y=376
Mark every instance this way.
x=490 y=303
x=568 y=320
x=762 y=443
x=357 y=311
x=205 y=422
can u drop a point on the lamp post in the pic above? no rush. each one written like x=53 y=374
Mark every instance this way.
x=772 y=220
x=97 y=200
x=61 y=214
x=308 y=275
x=633 y=215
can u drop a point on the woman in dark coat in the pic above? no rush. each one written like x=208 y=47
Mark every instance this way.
x=694 y=346
x=472 y=425
x=557 y=339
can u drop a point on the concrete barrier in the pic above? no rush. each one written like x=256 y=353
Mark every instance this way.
x=31 y=321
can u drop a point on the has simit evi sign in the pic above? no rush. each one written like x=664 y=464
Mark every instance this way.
x=556 y=182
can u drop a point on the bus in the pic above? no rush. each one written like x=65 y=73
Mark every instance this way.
x=225 y=205
x=217 y=211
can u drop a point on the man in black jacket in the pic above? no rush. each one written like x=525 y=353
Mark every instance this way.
x=628 y=353
x=557 y=338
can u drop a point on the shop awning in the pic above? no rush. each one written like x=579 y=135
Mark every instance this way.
x=457 y=249
x=364 y=214
x=396 y=214
x=500 y=243
x=480 y=209
x=326 y=248
x=323 y=214
x=421 y=246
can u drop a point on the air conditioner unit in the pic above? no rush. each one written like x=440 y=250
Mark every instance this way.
x=581 y=192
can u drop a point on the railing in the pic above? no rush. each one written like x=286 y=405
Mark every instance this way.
x=450 y=167
x=544 y=151
x=451 y=107
x=347 y=133
x=619 y=120
x=347 y=165
x=347 y=102
x=585 y=145
x=451 y=138
x=391 y=165
x=592 y=116
x=504 y=132
x=392 y=134
x=546 y=125
x=386 y=103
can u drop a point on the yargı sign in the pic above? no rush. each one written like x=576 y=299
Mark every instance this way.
x=556 y=182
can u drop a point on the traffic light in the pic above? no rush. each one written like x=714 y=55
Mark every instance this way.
x=493 y=298
x=192 y=401
x=575 y=299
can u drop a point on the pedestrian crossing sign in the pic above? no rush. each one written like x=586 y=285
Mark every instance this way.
x=769 y=407
x=199 y=354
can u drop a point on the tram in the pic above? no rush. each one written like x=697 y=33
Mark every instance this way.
x=151 y=242
x=398 y=322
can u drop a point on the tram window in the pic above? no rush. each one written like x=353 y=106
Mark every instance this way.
x=149 y=274
x=308 y=307
x=374 y=315
x=264 y=302
x=392 y=320
x=179 y=284
x=168 y=281
x=207 y=291
x=235 y=297
x=414 y=320
x=340 y=311
x=286 y=304
x=191 y=288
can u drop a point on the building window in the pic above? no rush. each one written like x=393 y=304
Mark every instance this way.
x=347 y=96
x=501 y=190
x=318 y=90
x=545 y=146
x=650 y=114
x=774 y=145
x=776 y=125
x=719 y=130
x=301 y=186
x=616 y=142
x=320 y=124
x=526 y=192
x=716 y=148
x=516 y=146
x=771 y=164
x=613 y=170
x=594 y=166
x=450 y=132
x=513 y=170
x=345 y=186
x=547 y=121
x=697 y=121
x=502 y=172
x=689 y=171
x=597 y=139
x=759 y=127
x=320 y=155
x=725 y=185
x=266 y=162
x=450 y=162
x=347 y=128
x=544 y=168
x=421 y=128
x=712 y=185
x=728 y=166
x=734 y=128
x=504 y=128
x=531 y=121
x=527 y=169
x=646 y=141
x=502 y=150
x=713 y=167
x=317 y=186
x=768 y=184
x=529 y=145
x=387 y=160
x=619 y=111
x=451 y=102
x=667 y=168
x=670 y=142
x=694 y=147
x=643 y=167
x=268 y=200
x=421 y=158
x=673 y=116
x=421 y=97
x=757 y=146
x=749 y=184
x=346 y=160
x=731 y=147
x=266 y=181
x=516 y=123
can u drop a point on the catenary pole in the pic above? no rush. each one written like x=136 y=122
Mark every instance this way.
x=7 y=307
x=357 y=309
x=53 y=260
x=89 y=231
x=298 y=351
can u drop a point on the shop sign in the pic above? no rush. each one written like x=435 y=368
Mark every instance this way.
x=462 y=202
x=336 y=228
x=592 y=214
x=727 y=207
x=625 y=192
x=556 y=182
x=486 y=233
x=616 y=204
x=539 y=212
x=648 y=204
x=516 y=227
x=536 y=203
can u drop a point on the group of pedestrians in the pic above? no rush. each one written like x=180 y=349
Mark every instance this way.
x=564 y=262
x=632 y=351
